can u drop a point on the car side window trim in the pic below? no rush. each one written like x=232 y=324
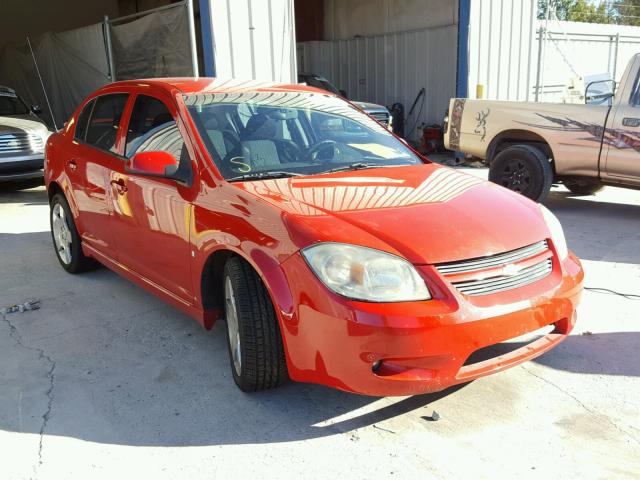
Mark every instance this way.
x=90 y=106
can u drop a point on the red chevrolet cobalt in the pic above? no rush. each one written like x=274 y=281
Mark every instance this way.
x=335 y=253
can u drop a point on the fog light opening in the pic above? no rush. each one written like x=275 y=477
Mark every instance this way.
x=376 y=366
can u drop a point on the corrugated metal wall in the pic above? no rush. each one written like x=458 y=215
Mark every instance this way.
x=254 y=39
x=391 y=68
x=501 y=51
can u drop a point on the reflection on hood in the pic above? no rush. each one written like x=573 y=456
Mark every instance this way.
x=313 y=196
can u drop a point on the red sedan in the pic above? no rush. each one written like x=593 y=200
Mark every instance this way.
x=335 y=253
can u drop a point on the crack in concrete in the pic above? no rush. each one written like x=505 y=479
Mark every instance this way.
x=15 y=335
x=579 y=402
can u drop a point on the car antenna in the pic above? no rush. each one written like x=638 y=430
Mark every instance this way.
x=46 y=97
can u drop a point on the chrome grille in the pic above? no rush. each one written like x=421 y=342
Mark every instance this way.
x=493 y=260
x=20 y=143
x=506 y=282
x=501 y=281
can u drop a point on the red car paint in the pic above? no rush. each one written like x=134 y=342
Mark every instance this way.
x=165 y=237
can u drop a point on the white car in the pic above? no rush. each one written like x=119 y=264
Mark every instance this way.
x=23 y=136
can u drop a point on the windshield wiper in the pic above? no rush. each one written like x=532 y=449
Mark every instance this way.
x=354 y=166
x=262 y=176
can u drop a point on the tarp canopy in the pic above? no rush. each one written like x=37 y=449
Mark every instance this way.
x=156 y=45
x=72 y=64
x=75 y=63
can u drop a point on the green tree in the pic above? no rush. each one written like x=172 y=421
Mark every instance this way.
x=627 y=12
x=580 y=10
x=561 y=7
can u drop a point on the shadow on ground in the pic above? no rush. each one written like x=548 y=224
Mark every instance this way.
x=30 y=193
x=106 y=362
x=611 y=353
x=598 y=230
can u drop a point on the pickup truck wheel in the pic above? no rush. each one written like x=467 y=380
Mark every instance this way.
x=523 y=169
x=255 y=344
x=583 y=186
x=66 y=239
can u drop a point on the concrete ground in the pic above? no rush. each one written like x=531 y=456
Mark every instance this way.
x=105 y=381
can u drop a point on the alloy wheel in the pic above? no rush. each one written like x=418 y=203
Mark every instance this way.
x=61 y=233
x=516 y=176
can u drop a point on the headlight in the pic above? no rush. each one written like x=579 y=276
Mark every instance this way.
x=365 y=274
x=557 y=234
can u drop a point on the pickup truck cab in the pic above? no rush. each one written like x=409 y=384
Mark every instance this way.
x=530 y=146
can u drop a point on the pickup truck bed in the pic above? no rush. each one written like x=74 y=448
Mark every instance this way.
x=529 y=146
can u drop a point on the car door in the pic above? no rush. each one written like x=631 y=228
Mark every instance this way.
x=89 y=166
x=622 y=135
x=152 y=214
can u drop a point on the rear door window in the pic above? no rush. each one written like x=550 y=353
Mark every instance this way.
x=102 y=131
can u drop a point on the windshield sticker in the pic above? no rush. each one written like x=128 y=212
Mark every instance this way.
x=242 y=166
x=378 y=150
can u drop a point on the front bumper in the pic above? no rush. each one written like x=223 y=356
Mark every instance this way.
x=423 y=346
x=22 y=167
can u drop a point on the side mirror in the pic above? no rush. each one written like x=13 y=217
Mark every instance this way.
x=158 y=164
x=599 y=92
x=343 y=93
x=36 y=109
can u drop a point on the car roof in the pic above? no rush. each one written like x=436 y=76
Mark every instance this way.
x=203 y=85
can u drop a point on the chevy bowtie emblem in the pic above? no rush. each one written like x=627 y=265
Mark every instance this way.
x=512 y=269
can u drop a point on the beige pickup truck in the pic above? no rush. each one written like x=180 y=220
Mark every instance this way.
x=530 y=146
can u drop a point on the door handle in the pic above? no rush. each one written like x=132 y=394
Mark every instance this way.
x=73 y=165
x=631 y=122
x=121 y=187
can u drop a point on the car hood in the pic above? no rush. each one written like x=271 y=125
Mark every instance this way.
x=23 y=123
x=426 y=213
x=370 y=107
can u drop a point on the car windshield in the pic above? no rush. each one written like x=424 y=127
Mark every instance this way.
x=256 y=135
x=10 y=104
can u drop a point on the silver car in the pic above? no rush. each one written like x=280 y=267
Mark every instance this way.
x=22 y=138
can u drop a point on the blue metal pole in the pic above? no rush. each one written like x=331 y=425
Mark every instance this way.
x=462 y=78
x=207 y=38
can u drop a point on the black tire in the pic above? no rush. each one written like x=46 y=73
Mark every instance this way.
x=262 y=360
x=77 y=261
x=583 y=186
x=523 y=169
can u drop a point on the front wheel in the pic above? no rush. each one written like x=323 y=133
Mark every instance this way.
x=66 y=239
x=523 y=169
x=256 y=351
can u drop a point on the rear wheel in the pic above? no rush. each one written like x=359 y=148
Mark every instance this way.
x=583 y=186
x=66 y=240
x=523 y=169
x=255 y=344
